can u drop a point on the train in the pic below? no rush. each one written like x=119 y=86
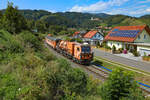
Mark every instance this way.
x=79 y=53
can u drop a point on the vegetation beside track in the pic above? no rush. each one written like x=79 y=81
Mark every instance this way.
x=29 y=71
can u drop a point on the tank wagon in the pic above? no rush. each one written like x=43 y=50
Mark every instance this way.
x=79 y=53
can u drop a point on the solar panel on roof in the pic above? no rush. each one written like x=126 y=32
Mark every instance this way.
x=124 y=33
x=115 y=30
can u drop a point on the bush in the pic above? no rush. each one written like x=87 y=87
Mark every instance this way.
x=135 y=53
x=107 y=47
x=76 y=40
x=121 y=84
x=10 y=43
x=120 y=50
x=46 y=55
x=113 y=48
x=9 y=87
x=98 y=45
x=67 y=38
x=30 y=40
x=67 y=82
x=72 y=40
x=79 y=40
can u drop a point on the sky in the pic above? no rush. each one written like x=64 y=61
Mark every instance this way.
x=134 y=8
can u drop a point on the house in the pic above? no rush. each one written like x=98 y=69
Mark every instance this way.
x=95 y=19
x=93 y=37
x=131 y=38
x=76 y=34
x=79 y=34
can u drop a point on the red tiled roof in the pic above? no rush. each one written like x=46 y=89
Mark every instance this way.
x=127 y=39
x=76 y=33
x=90 y=34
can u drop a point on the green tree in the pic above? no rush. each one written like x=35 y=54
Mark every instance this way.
x=56 y=29
x=12 y=20
x=120 y=85
x=63 y=32
x=1 y=15
x=31 y=25
x=41 y=26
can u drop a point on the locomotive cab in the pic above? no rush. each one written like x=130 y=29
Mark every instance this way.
x=83 y=53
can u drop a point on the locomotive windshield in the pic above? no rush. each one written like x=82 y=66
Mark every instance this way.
x=86 y=49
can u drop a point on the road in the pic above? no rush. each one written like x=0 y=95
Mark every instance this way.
x=136 y=64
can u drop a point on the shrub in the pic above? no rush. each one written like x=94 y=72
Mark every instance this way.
x=30 y=40
x=98 y=44
x=66 y=82
x=114 y=48
x=135 y=53
x=10 y=43
x=46 y=55
x=121 y=50
x=67 y=38
x=120 y=84
x=72 y=40
x=79 y=40
x=9 y=87
x=107 y=47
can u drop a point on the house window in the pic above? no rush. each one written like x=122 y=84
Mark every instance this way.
x=145 y=36
x=118 y=44
x=139 y=37
x=78 y=49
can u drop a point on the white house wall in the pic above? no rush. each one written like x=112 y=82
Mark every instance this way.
x=140 y=49
x=98 y=36
x=116 y=44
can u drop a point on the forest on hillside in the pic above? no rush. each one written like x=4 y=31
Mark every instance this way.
x=29 y=71
x=82 y=20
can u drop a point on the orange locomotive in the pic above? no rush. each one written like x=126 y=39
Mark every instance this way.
x=80 y=53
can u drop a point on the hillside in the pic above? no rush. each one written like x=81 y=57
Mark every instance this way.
x=122 y=20
x=75 y=19
x=145 y=19
x=83 y=20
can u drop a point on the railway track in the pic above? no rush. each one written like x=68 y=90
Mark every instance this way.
x=99 y=72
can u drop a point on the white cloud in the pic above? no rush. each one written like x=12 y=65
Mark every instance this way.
x=97 y=7
x=144 y=1
x=148 y=9
x=134 y=8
